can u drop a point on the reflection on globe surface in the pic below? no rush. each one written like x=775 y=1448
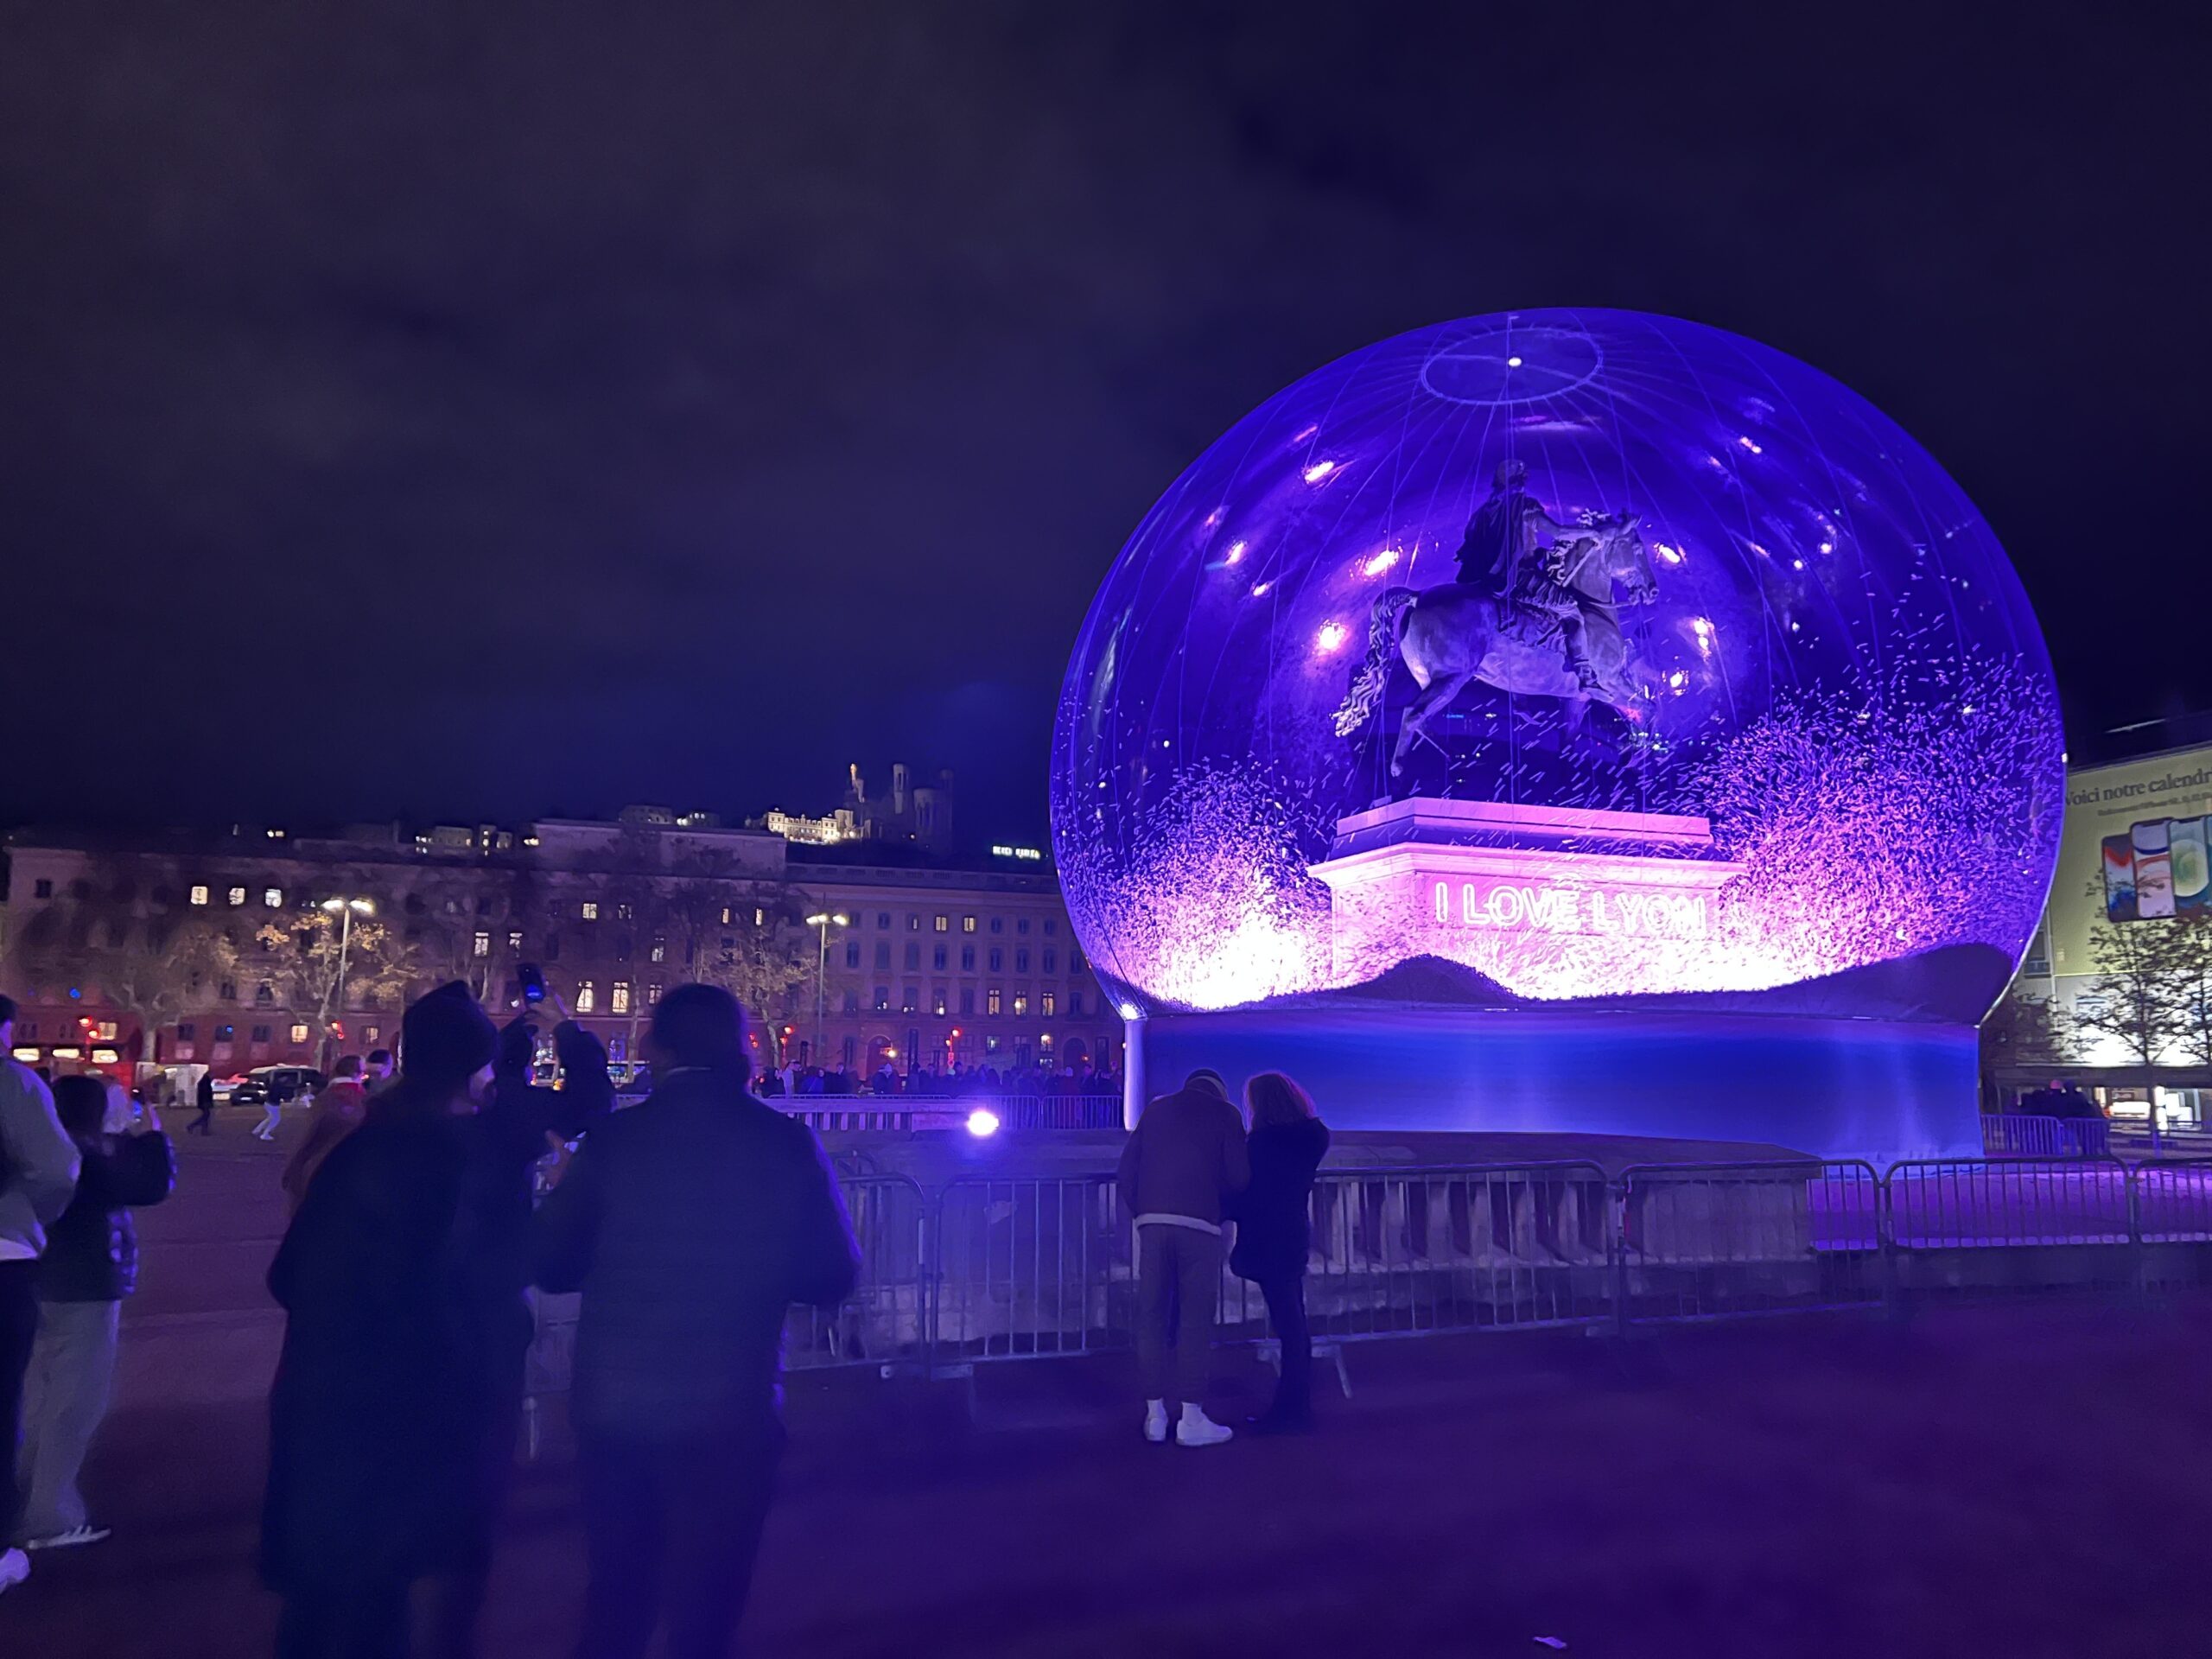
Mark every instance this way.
x=1599 y=654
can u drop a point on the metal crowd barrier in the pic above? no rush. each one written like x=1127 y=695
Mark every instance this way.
x=989 y=1268
x=2020 y=1134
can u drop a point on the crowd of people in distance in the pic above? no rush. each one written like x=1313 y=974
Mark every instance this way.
x=690 y=1222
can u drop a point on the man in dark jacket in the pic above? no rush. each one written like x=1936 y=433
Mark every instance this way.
x=690 y=1223
x=395 y=1412
x=1179 y=1167
x=91 y=1264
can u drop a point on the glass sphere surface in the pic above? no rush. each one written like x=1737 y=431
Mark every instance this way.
x=1446 y=649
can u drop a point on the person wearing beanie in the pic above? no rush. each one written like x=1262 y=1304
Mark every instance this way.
x=397 y=1404
x=1179 y=1167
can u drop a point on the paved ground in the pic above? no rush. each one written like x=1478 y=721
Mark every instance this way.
x=2028 y=1479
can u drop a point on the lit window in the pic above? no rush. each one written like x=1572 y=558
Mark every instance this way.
x=619 y=1001
x=726 y=913
x=1044 y=1005
x=937 y=1000
x=481 y=946
x=914 y=922
x=514 y=939
x=967 y=924
x=273 y=898
x=759 y=917
x=299 y=1033
x=587 y=996
x=659 y=951
x=591 y=910
x=238 y=896
x=944 y=924
x=369 y=1034
x=652 y=993
x=991 y=1045
x=199 y=895
x=991 y=1001
x=1021 y=1006
x=622 y=912
x=105 y=1031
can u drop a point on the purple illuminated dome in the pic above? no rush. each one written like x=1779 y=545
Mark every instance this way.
x=1556 y=656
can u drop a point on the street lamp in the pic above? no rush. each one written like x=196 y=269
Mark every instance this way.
x=345 y=910
x=822 y=920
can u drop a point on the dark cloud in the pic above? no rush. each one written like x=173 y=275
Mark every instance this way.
x=471 y=410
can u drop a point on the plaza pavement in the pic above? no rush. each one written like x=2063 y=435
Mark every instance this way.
x=2022 y=1479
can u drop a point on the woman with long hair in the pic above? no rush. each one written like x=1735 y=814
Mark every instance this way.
x=1273 y=1233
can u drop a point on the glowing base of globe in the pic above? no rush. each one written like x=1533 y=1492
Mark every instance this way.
x=1834 y=1088
x=1510 y=887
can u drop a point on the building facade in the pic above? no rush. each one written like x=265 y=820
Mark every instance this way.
x=2133 y=852
x=938 y=960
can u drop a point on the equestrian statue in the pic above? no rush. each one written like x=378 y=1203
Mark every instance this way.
x=1533 y=613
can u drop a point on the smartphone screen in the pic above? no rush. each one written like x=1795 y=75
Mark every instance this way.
x=2154 y=869
x=2120 y=879
x=2192 y=875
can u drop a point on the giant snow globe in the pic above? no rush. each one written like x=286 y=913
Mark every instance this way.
x=1568 y=660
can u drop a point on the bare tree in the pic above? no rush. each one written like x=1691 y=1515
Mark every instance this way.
x=2024 y=1031
x=2190 y=949
x=131 y=945
x=2141 y=999
x=310 y=960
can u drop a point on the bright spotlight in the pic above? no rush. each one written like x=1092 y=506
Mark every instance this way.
x=982 y=1122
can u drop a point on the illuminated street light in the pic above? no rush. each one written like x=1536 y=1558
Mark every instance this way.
x=824 y=920
x=345 y=910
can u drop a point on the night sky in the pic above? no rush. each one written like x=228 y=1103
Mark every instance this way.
x=481 y=413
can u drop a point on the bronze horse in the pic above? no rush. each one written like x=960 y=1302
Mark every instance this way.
x=1459 y=633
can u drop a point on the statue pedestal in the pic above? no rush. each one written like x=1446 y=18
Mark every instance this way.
x=1472 y=880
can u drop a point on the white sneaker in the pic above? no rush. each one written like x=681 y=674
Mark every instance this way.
x=1196 y=1428
x=86 y=1534
x=15 y=1568
x=1155 y=1421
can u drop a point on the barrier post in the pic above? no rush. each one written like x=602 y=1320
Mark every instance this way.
x=1617 y=1194
x=1886 y=1245
x=2135 y=1239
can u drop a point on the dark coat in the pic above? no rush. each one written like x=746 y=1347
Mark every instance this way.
x=1185 y=1157
x=91 y=1251
x=692 y=1223
x=1274 y=1230
x=399 y=1393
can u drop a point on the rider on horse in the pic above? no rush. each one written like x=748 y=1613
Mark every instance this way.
x=1503 y=552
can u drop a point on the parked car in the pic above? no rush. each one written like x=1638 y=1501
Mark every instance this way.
x=278 y=1083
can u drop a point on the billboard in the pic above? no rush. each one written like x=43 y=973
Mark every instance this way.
x=2134 y=849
